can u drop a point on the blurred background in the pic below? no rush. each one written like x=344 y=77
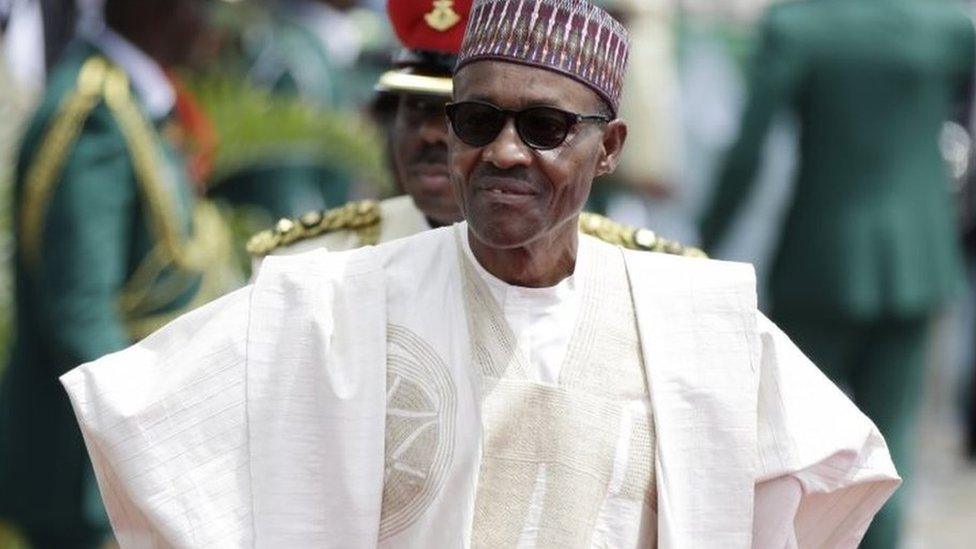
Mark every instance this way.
x=828 y=142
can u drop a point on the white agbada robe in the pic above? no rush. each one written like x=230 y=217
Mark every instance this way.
x=260 y=419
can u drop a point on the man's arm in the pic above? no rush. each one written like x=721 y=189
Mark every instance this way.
x=776 y=73
x=259 y=415
x=824 y=469
x=165 y=425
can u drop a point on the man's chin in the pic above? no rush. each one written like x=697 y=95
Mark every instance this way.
x=442 y=219
x=438 y=208
x=502 y=236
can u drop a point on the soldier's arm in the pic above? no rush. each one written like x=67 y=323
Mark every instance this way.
x=964 y=114
x=87 y=236
x=966 y=71
x=775 y=76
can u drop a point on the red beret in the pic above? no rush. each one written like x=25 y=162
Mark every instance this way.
x=430 y=25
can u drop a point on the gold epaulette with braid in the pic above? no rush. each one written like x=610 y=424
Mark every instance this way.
x=99 y=81
x=632 y=238
x=46 y=166
x=193 y=256
x=362 y=217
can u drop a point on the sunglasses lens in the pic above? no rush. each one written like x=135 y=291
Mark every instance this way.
x=543 y=128
x=476 y=124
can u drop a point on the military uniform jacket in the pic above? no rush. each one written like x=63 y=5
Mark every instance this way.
x=107 y=249
x=870 y=230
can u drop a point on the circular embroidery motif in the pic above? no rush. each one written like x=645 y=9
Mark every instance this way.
x=420 y=410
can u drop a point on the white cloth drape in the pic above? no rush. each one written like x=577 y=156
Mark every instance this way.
x=259 y=419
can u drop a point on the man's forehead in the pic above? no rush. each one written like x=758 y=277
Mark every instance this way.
x=514 y=85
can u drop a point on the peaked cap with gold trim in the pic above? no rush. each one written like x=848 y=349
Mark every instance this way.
x=431 y=32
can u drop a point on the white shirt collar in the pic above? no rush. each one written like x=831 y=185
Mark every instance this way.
x=147 y=77
x=541 y=319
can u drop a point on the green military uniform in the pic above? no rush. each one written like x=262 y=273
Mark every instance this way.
x=868 y=249
x=108 y=248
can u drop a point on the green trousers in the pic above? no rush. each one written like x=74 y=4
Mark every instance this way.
x=880 y=365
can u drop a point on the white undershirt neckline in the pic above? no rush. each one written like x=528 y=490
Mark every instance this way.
x=542 y=320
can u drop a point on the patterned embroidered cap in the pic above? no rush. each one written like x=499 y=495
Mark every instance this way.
x=571 y=37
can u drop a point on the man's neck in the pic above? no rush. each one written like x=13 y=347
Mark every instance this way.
x=542 y=263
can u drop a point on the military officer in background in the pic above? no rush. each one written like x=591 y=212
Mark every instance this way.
x=431 y=32
x=868 y=251
x=109 y=246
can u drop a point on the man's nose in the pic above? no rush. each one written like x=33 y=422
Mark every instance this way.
x=507 y=150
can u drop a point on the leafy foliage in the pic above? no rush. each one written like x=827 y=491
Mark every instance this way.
x=257 y=127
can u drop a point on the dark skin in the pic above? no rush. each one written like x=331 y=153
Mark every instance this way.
x=522 y=205
x=166 y=30
x=419 y=145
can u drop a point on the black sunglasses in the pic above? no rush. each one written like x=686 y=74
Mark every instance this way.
x=542 y=128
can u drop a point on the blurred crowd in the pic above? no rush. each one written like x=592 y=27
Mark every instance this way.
x=829 y=142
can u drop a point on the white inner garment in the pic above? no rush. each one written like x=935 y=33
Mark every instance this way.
x=542 y=319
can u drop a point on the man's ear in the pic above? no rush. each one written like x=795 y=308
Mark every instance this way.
x=614 y=137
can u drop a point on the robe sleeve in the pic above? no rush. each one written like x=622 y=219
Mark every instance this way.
x=824 y=469
x=165 y=425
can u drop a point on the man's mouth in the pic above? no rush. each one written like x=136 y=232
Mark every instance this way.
x=506 y=187
x=431 y=170
x=432 y=176
x=502 y=191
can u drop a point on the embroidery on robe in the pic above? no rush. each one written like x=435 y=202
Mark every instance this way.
x=498 y=359
x=555 y=457
x=421 y=403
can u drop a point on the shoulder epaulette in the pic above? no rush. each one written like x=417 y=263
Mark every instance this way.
x=632 y=238
x=97 y=81
x=56 y=143
x=359 y=216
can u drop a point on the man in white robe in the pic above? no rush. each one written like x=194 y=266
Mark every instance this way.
x=503 y=382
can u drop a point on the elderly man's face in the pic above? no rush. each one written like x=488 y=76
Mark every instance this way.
x=420 y=156
x=510 y=193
